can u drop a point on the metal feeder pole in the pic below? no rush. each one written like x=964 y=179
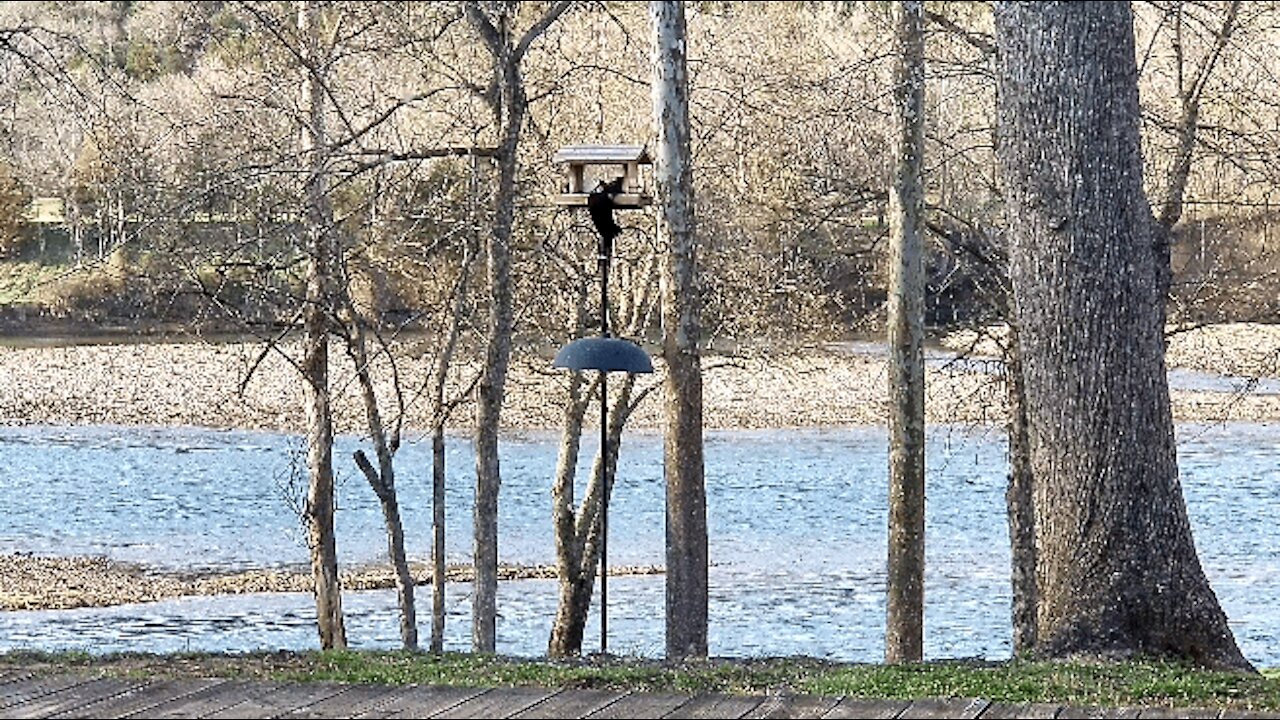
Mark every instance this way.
x=604 y=451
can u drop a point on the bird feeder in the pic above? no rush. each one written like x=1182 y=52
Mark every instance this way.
x=616 y=191
x=625 y=161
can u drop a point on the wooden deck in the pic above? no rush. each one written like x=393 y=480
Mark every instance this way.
x=26 y=695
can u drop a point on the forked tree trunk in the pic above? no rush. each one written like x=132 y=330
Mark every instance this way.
x=1118 y=574
x=382 y=479
x=319 y=507
x=686 y=602
x=578 y=535
x=904 y=626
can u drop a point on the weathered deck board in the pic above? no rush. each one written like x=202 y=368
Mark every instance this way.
x=502 y=703
x=716 y=705
x=206 y=701
x=793 y=706
x=25 y=691
x=642 y=705
x=848 y=708
x=423 y=701
x=24 y=695
x=935 y=708
x=1029 y=711
x=356 y=700
x=73 y=697
x=1079 y=713
x=281 y=701
x=571 y=704
x=1234 y=714
x=143 y=698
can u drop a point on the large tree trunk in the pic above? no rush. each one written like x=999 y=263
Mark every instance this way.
x=904 y=628
x=1118 y=574
x=681 y=329
x=315 y=362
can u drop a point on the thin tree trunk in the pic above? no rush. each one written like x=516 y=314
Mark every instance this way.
x=438 y=569
x=904 y=632
x=1117 y=573
x=686 y=541
x=319 y=508
x=584 y=531
x=566 y=630
x=441 y=409
x=489 y=395
x=382 y=480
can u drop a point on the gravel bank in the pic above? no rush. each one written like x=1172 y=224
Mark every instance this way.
x=233 y=385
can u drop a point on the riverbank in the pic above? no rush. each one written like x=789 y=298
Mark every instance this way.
x=29 y=582
x=242 y=385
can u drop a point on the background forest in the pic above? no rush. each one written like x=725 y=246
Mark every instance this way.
x=150 y=155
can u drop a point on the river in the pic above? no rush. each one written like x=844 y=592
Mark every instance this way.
x=796 y=521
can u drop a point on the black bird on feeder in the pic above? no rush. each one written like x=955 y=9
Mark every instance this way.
x=600 y=204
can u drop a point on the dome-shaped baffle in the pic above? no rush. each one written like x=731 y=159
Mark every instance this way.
x=608 y=354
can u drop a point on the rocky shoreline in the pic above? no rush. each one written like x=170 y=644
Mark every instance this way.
x=239 y=385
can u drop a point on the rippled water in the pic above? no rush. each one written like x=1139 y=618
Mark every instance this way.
x=797 y=525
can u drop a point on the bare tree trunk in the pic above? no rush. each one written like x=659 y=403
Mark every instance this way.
x=382 y=480
x=1190 y=93
x=509 y=106
x=440 y=411
x=686 y=602
x=579 y=534
x=315 y=363
x=571 y=571
x=438 y=570
x=904 y=631
x=1117 y=574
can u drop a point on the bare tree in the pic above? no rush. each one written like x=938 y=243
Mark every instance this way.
x=904 y=632
x=681 y=332
x=317 y=325
x=579 y=532
x=1118 y=574
x=505 y=95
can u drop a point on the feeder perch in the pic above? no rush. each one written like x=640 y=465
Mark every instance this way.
x=625 y=160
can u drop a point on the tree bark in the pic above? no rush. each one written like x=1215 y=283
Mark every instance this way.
x=686 y=594
x=319 y=507
x=904 y=631
x=1118 y=574
x=509 y=106
x=1019 y=501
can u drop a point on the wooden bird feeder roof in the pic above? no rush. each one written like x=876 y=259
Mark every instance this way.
x=628 y=158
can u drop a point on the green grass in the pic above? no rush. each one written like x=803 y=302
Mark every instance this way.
x=1075 y=683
